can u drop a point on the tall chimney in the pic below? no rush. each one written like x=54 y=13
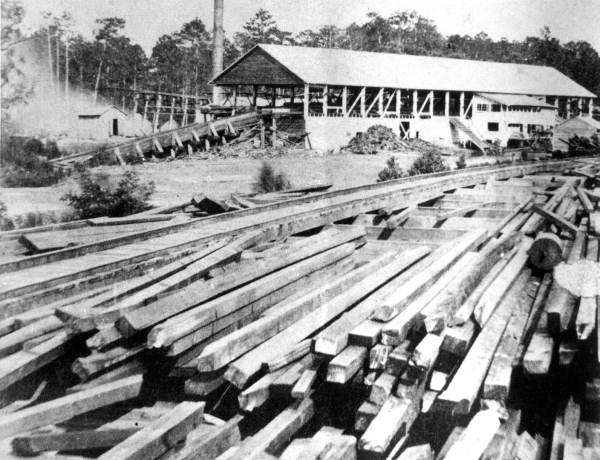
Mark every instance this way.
x=217 y=57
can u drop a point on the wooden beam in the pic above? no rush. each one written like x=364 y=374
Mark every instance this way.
x=476 y=437
x=555 y=219
x=161 y=435
x=61 y=409
x=346 y=364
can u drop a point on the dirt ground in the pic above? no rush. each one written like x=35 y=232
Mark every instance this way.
x=176 y=181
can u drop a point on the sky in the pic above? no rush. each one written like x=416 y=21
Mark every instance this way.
x=146 y=20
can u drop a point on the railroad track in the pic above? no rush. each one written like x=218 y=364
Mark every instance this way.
x=347 y=320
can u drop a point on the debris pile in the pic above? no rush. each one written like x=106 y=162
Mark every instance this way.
x=418 y=323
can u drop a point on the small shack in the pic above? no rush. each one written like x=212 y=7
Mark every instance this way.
x=102 y=122
x=580 y=126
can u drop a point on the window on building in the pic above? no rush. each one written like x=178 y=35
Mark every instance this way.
x=516 y=126
x=482 y=107
x=493 y=127
x=496 y=107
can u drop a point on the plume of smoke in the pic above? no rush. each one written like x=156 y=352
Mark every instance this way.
x=48 y=111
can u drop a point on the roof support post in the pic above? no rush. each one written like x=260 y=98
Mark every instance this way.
x=254 y=96
x=363 y=96
x=172 y=100
x=398 y=102
x=462 y=103
x=325 y=90
x=580 y=105
x=273 y=96
x=389 y=102
x=415 y=109
x=377 y=99
x=235 y=93
x=305 y=100
x=380 y=103
x=447 y=104
x=345 y=101
x=430 y=96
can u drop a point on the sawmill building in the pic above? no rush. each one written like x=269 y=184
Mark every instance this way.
x=339 y=93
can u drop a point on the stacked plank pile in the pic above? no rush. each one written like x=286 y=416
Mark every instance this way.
x=382 y=335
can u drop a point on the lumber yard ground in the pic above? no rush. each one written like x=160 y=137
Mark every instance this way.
x=416 y=319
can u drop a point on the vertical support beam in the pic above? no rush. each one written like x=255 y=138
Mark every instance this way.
x=156 y=113
x=254 y=96
x=305 y=101
x=262 y=132
x=345 y=101
x=136 y=97
x=325 y=90
x=273 y=96
x=580 y=105
x=146 y=101
x=380 y=102
x=415 y=109
x=274 y=132
x=172 y=100
x=185 y=111
x=218 y=49
x=292 y=96
x=398 y=102
x=431 y=103
x=447 y=104
x=363 y=97
x=462 y=103
x=235 y=93
x=568 y=108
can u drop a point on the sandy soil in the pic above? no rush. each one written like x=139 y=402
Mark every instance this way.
x=176 y=181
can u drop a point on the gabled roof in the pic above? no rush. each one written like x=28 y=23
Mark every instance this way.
x=579 y=119
x=98 y=111
x=361 y=68
x=515 y=99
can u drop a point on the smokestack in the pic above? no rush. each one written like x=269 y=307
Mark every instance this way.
x=217 y=57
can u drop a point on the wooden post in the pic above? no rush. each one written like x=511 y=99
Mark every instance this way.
x=306 y=101
x=262 y=133
x=345 y=101
x=273 y=96
x=156 y=113
x=363 y=96
x=146 y=107
x=580 y=105
x=380 y=102
x=462 y=103
x=274 y=132
x=185 y=111
x=430 y=103
x=235 y=93
x=172 y=100
x=415 y=105
x=135 y=103
x=218 y=49
x=398 y=102
x=447 y=104
x=325 y=90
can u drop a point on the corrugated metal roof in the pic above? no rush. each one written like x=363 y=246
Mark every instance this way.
x=362 y=68
x=515 y=99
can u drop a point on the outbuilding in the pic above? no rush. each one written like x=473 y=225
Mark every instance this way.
x=102 y=122
x=578 y=126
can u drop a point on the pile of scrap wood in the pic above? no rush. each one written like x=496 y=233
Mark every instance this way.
x=451 y=339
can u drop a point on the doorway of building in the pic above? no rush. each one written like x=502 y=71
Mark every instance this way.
x=115 y=127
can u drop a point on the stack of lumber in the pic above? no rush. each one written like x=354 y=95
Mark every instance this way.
x=442 y=334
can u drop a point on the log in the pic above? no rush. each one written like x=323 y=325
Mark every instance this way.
x=201 y=444
x=497 y=382
x=585 y=200
x=188 y=298
x=133 y=367
x=396 y=220
x=335 y=337
x=155 y=439
x=476 y=437
x=64 y=408
x=223 y=351
x=546 y=252
x=443 y=259
x=342 y=367
x=555 y=219
x=560 y=304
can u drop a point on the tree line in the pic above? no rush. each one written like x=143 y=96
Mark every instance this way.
x=180 y=62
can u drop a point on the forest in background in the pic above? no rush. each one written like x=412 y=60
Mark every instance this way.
x=180 y=61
